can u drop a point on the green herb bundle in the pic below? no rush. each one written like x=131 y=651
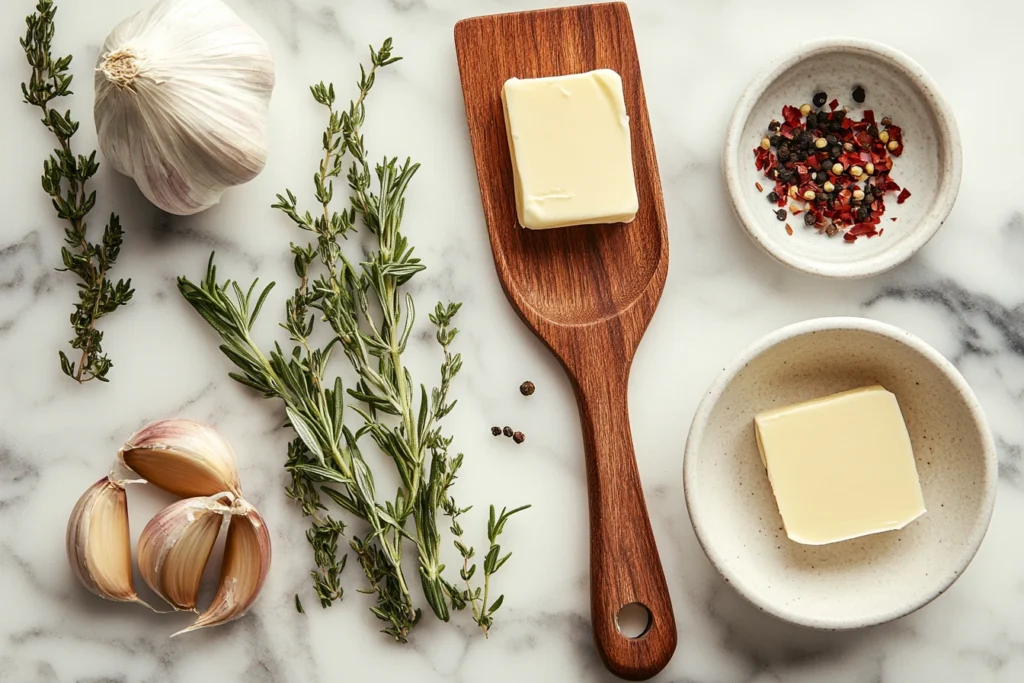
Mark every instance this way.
x=64 y=178
x=370 y=318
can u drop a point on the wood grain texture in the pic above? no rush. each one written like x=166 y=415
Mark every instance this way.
x=588 y=292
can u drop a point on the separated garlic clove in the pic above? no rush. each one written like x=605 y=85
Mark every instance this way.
x=175 y=547
x=99 y=544
x=246 y=562
x=184 y=457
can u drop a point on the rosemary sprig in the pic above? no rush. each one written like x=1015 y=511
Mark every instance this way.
x=64 y=178
x=370 y=319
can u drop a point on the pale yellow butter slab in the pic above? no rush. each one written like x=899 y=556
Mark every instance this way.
x=568 y=137
x=841 y=466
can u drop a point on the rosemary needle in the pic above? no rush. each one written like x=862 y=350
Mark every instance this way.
x=370 y=317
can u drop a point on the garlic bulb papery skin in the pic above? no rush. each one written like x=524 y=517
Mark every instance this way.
x=247 y=555
x=185 y=457
x=175 y=548
x=182 y=99
x=99 y=544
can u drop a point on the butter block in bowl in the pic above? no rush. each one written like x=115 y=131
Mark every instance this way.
x=745 y=521
x=841 y=466
x=568 y=137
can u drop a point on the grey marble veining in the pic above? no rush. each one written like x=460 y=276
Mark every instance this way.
x=963 y=293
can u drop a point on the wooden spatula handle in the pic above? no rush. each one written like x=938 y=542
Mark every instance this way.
x=624 y=564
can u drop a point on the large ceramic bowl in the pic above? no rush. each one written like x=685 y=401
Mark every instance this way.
x=863 y=581
x=929 y=167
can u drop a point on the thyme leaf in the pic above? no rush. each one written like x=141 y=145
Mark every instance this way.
x=65 y=176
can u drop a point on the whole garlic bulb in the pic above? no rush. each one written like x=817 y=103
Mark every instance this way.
x=182 y=99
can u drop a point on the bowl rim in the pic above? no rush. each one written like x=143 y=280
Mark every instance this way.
x=725 y=378
x=924 y=229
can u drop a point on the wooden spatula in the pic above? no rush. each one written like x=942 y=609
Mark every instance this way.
x=588 y=292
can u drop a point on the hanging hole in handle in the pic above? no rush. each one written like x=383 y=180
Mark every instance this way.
x=633 y=620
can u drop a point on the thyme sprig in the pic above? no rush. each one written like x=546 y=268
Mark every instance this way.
x=370 y=318
x=64 y=178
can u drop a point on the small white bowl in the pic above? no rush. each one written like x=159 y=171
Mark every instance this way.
x=929 y=167
x=863 y=581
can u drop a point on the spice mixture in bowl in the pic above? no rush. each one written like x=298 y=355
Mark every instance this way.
x=843 y=160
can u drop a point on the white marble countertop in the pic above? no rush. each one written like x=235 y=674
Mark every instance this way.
x=962 y=294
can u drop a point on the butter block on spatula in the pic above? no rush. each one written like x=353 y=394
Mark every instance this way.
x=568 y=137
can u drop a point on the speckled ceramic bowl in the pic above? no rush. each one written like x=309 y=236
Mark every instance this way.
x=863 y=581
x=930 y=166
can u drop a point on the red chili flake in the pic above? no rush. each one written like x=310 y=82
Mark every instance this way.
x=893 y=219
x=833 y=105
x=862 y=229
x=903 y=196
x=869 y=116
x=789 y=230
x=850 y=238
x=758 y=186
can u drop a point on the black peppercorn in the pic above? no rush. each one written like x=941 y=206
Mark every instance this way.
x=800 y=155
x=781 y=214
x=773 y=197
x=820 y=99
x=872 y=130
x=527 y=388
x=834 y=126
x=519 y=437
x=783 y=154
x=858 y=94
x=774 y=125
x=835 y=152
x=839 y=115
x=507 y=431
x=496 y=431
x=775 y=140
x=831 y=139
x=812 y=120
x=863 y=213
x=886 y=121
x=809 y=219
x=785 y=175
